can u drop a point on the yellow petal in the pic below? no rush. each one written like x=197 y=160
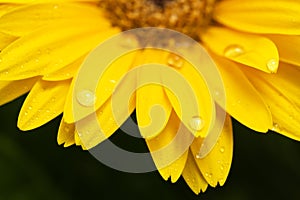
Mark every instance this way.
x=243 y=102
x=193 y=176
x=10 y=90
x=153 y=108
x=256 y=16
x=25 y=19
x=43 y=1
x=78 y=140
x=5 y=40
x=169 y=149
x=281 y=92
x=5 y=8
x=252 y=50
x=44 y=102
x=65 y=73
x=66 y=134
x=41 y=53
x=288 y=47
x=100 y=125
x=216 y=165
x=105 y=87
x=185 y=88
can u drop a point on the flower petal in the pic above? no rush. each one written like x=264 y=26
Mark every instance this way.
x=40 y=52
x=288 y=47
x=65 y=73
x=256 y=16
x=100 y=125
x=5 y=40
x=248 y=49
x=105 y=86
x=10 y=90
x=193 y=176
x=44 y=102
x=281 y=92
x=27 y=18
x=216 y=165
x=243 y=102
x=169 y=149
x=66 y=134
x=184 y=88
x=153 y=108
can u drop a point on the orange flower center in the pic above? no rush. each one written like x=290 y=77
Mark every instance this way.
x=186 y=16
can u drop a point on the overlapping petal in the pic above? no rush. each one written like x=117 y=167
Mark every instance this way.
x=252 y=50
x=256 y=16
x=243 y=102
x=281 y=92
x=41 y=52
x=38 y=110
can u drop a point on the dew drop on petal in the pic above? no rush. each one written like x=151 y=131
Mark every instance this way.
x=198 y=156
x=222 y=149
x=197 y=123
x=175 y=61
x=86 y=98
x=113 y=81
x=275 y=127
x=67 y=129
x=233 y=51
x=272 y=65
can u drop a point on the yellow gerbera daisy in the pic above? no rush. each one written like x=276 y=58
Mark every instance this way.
x=255 y=45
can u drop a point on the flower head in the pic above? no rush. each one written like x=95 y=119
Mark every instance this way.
x=253 y=43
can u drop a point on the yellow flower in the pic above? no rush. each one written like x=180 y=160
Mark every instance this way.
x=255 y=45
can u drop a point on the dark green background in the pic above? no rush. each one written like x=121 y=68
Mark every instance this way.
x=33 y=166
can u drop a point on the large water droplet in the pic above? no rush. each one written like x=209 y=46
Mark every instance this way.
x=86 y=98
x=272 y=65
x=175 y=61
x=197 y=123
x=233 y=51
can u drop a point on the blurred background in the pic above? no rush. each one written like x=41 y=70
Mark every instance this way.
x=33 y=166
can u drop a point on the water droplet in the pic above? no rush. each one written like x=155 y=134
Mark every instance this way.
x=26 y=113
x=198 y=156
x=222 y=168
x=129 y=42
x=233 y=51
x=67 y=129
x=79 y=134
x=197 y=123
x=275 y=127
x=113 y=81
x=30 y=108
x=175 y=61
x=222 y=149
x=272 y=65
x=86 y=98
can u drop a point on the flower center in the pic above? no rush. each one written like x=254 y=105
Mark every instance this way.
x=186 y=16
